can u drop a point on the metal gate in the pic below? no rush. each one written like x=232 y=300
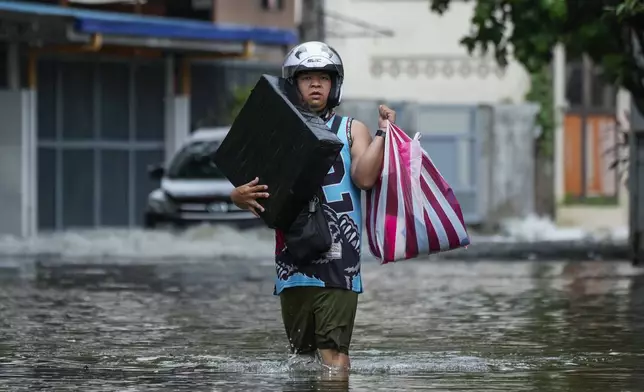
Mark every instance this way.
x=450 y=135
x=451 y=138
x=100 y=124
x=213 y=85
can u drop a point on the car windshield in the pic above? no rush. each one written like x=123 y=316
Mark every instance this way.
x=194 y=162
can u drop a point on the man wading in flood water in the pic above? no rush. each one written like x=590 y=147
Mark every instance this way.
x=319 y=298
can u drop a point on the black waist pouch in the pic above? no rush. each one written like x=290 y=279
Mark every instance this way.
x=309 y=237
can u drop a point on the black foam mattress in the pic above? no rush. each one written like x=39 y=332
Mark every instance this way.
x=289 y=149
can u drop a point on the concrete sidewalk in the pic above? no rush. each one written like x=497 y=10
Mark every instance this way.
x=538 y=242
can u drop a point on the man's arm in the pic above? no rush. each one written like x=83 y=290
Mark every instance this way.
x=366 y=156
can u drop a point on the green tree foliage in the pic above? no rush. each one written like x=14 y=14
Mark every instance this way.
x=611 y=32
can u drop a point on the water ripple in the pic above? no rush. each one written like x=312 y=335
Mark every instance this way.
x=445 y=326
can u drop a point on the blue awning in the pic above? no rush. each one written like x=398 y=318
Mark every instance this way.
x=117 y=23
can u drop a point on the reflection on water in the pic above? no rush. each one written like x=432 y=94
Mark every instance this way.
x=444 y=326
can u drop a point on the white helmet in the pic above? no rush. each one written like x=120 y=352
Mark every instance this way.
x=316 y=56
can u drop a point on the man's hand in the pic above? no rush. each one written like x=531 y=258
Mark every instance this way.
x=245 y=196
x=385 y=115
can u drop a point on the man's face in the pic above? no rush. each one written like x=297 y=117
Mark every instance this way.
x=315 y=88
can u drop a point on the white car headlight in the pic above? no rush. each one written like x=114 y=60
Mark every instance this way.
x=159 y=202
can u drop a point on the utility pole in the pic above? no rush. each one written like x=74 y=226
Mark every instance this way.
x=559 y=88
x=312 y=27
x=636 y=174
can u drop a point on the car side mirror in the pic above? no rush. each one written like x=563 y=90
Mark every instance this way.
x=156 y=172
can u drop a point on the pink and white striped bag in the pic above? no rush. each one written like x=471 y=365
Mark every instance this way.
x=411 y=211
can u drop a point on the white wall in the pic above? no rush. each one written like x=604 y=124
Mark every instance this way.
x=425 y=36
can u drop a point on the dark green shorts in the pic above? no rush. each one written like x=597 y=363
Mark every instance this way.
x=318 y=318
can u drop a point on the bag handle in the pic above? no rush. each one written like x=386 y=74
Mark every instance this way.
x=335 y=124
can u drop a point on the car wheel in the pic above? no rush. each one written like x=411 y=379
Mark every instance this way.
x=149 y=222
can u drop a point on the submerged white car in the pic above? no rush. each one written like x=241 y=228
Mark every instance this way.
x=193 y=190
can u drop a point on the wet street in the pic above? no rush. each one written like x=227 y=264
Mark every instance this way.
x=214 y=326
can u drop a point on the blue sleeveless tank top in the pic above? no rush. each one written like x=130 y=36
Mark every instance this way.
x=340 y=268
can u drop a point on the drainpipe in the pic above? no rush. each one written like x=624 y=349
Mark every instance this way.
x=13 y=66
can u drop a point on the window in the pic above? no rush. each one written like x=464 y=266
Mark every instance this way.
x=574 y=89
x=601 y=94
x=272 y=5
x=194 y=162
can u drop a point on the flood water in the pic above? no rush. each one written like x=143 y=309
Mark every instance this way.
x=186 y=325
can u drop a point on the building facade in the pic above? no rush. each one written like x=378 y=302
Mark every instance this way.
x=91 y=96
x=401 y=52
x=590 y=183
